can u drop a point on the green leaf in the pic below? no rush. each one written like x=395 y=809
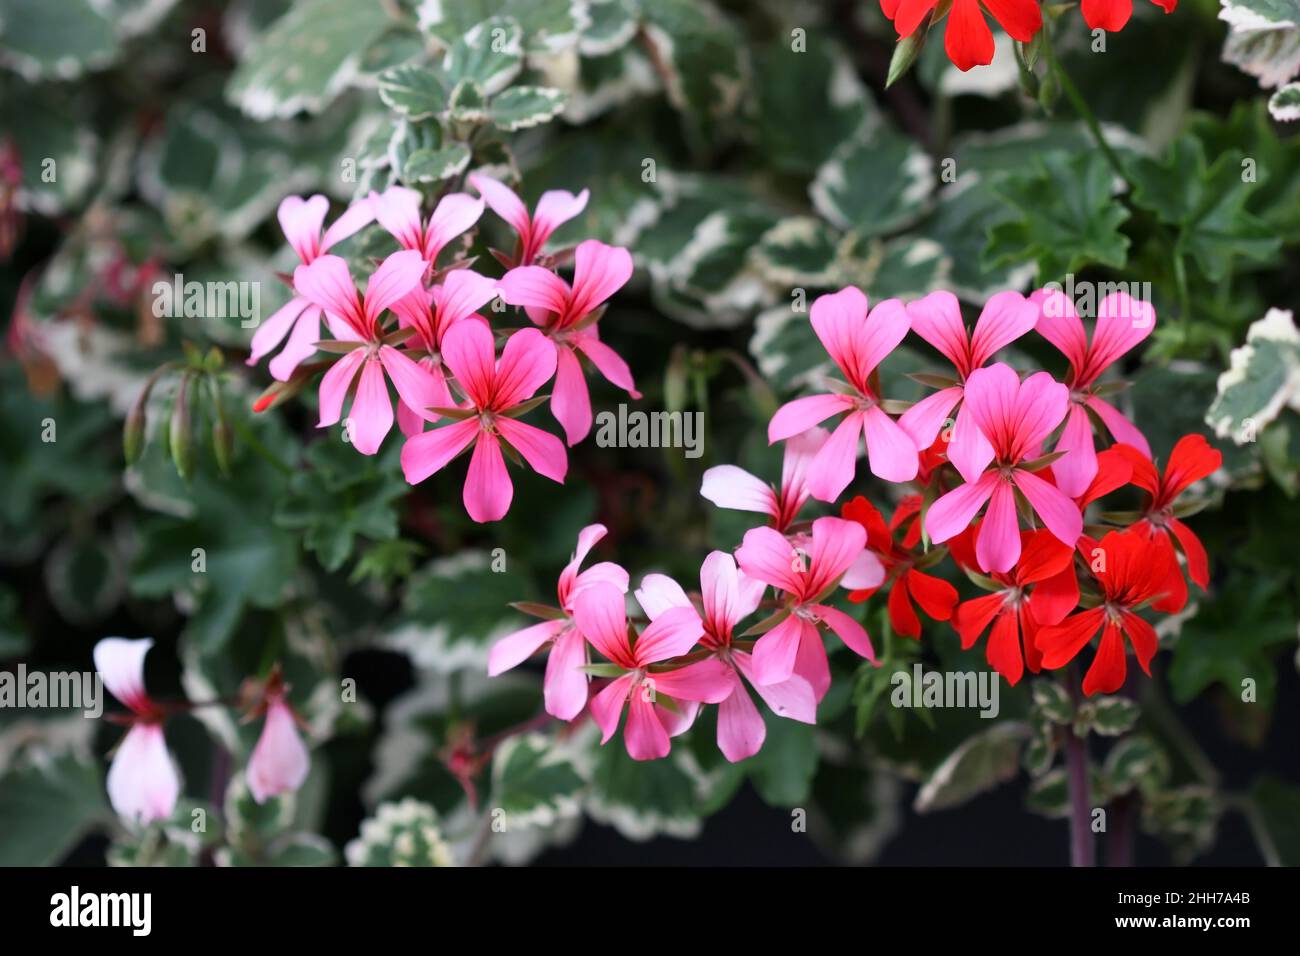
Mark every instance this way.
x=521 y=107
x=435 y=165
x=533 y=782
x=1135 y=763
x=48 y=808
x=400 y=834
x=549 y=26
x=1285 y=103
x=981 y=763
x=306 y=58
x=1049 y=795
x=43 y=40
x=1278 y=806
x=1053 y=702
x=417 y=92
x=1067 y=217
x=1205 y=203
x=1263 y=378
x=489 y=55
x=875 y=154
x=1107 y=716
x=782 y=772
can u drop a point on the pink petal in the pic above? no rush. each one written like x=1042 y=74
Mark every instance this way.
x=839 y=319
x=811 y=664
x=836 y=545
x=709 y=681
x=301 y=345
x=1075 y=470
x=371 y=415
x=1060 y=325
x=953 y=513
x=270 y=332
x=866 y=571
x=608 y=362
x=658 y=593
x=279 y=763
x=328 y=284
x=728 y=486
x=501 y=199
x=1006 y=317
x=766 y=554
x=355 y=218
x=120 y=663
x=301 y=220
x=997 y=543
x=1040 y=405
x=570 y=400
x=794 y=699
x=398 y=210
x=600 y=614
x=724 y=601
x=924 y=420
x=1122 y=323
x=891 y=453
x=847 y=630
x=470 y=352
x=607 y=706
x=142 y=780
x=833 y=467
x=396 y=276
x=415 y=385
x=455 y=213
x=937 y=319
x=1119 y=426
x=515 y=648
x=775 y=652
x=991 y=396
x=535 y=288
x=462 y=294
x=598 y=272
x=426 y=453
x=554 y=209
x=673 y=633
x=334 y=385
x=1059 y=513
x=800 y=450
x=527 y=363
x=564 y=688
x=542 y=450
x=644 y=735
x=488 y=491
x=968 y=449
x=741 y=730
x=798 y=416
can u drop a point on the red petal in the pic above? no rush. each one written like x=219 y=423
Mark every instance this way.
x=1113 y=472
x=968 y=39
x=1061 y=642
x=1003 y=651
x=901 y=614
x=1020 y=18
x=973 y=616
x=1192 y=459
x=1144 y=640
x=1109 y=667
x=935 y=595
x=1109 y=15
x=1042 y=556
x=1055 y=597
x=1198 y=562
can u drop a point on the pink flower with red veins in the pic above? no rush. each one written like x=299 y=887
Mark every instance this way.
x=496 y=392
x=328 y=283
x=554 y=209
x=302 y=219
x=1015 y=417
x=1122 y=323
x=727 y=597
x=565 y=686
x=279 y=763
x=858 y=343
x=398 y=210
x=142 y=782
x=645 y=678
x=431 y=313
x=794 y=645
x=568 y=316
x=729 y=486
x=937 y=319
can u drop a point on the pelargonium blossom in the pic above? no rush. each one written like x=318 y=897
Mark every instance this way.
x=143 y=783
x=1006 y=317
x=328 y=283
x=729 y=486
x=398 y=210
x=279 y=763
x=967 y=39
x=564 y=688
x=1122 y=323
x=645 y=676
x=568 y=315
x=1016 y=418
x=794 y=644
x=554 y=209
x=431 y=312
x=858 y=342
x=1192 y=459
x=1113 y=15
x=726 y=598
x=301 y=220
x=1132 y=572
x=496 y=391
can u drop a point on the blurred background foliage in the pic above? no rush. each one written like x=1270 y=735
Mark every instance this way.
x=748 y=153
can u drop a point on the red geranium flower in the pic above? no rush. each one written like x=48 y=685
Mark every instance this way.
x=968 y=39
x=1112 y=15
x=1132 y=571
x=935 y=595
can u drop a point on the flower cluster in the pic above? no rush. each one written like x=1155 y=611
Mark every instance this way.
x=419 y=325
x=1003 y=468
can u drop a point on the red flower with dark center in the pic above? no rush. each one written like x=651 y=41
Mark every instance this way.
x=967 y=38
x=1192 y=459
x=935 y=595
x=1132 y=571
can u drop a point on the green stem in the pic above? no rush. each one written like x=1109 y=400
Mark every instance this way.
x=1081 y=106
x=261 y=450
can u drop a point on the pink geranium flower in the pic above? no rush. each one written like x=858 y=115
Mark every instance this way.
x=565 y=685
x=495 y=392
x=143 y=783
x=431 y=313
x=554 y=209
x=937 y=319
x=568 y=316
x=1015 y=417
x=327 y=283
x=858 y=342
x=398 y=211
x=794 y=645
x=302 y=219
x=727 y=597
x=1122 y=323
x=279 y=763
x=729 y=486
x=601 y=615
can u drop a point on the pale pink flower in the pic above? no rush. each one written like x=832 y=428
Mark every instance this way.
x=727 y=597
x=554 y=209
x=937 y=319
x=279 y=762
x=568 y=317
x=1016 y=418
x=328 y=283
x=495 y=390
x=729 y=486
x=564 y=688
x=857 y=342
x=142 y=782
x=398 y=210
x=431 y=312
x=601 y=615
x=794 y=645
x=301 y=220
x=1122 y=323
